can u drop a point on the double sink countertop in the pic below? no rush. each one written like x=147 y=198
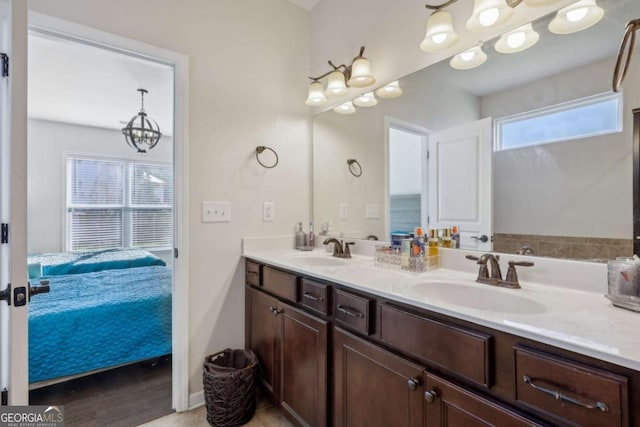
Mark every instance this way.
x=583 y=321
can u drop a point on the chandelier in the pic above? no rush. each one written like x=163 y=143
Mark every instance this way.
x=142 y=133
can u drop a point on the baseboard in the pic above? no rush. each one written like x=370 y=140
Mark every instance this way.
x=196 y=399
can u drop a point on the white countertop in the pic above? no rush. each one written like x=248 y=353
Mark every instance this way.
x=581 y=321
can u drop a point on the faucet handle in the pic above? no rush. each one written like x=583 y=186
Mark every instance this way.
x=512 y=275
x=347 y=251
x=472 y=258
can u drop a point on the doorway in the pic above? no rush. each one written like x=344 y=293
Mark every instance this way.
x=140 y=177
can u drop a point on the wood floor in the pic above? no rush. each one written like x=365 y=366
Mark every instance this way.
x=126 y=396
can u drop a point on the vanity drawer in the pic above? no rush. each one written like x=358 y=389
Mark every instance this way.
x=252 y=273
x=315 y=295
x=463 y=352
x=279 y=283
x=353 y=311
x=569 y=391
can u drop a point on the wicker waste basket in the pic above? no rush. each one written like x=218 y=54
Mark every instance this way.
x=229 y=379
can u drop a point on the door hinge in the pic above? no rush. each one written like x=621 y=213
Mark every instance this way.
x=428 y=154
x=5 y=397
x=5 y=64
x=175 y=252
x=4 y=233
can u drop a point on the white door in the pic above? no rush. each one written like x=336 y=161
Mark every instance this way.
x=460 y=182
x=13 y=202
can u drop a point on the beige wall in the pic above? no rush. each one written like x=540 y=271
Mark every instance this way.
x=247 y=66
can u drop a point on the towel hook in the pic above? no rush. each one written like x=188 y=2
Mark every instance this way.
x=259 y=150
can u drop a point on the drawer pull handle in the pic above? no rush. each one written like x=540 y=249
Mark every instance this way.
x=312 y=297
x=251 y=273
x=559 y=396
x=349 y=311
x=413 y=384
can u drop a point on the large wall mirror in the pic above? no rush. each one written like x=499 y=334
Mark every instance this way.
x=569 y=199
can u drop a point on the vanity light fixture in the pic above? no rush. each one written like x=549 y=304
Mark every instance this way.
x=517 y=40
x=488 y=13
x=346 y=108
x=440 y=33
x=340 y=78
x=576 y=17
x=366 y=100
x=142 y=133
x=392 y=90
x=470 y=58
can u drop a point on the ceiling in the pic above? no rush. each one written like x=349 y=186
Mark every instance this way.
x=77 y=83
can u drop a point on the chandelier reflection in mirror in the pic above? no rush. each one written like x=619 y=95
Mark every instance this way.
x=142 y=133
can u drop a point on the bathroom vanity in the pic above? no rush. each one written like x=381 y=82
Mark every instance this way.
x=344 y=343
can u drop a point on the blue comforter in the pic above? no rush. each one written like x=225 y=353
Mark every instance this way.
x=98 y=320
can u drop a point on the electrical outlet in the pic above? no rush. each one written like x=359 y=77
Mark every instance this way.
x=268 y=211
x=373 y=211
x=344 y=211
x=216 y=211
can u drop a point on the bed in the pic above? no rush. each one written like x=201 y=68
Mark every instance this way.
x=105 y=309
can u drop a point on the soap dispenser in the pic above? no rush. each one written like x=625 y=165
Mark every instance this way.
x=301 y=238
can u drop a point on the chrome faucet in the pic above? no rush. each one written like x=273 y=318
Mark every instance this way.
x=495 y=278
x=338 y=251
x=525 y=250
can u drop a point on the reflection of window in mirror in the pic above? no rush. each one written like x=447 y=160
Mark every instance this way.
x=407 y=172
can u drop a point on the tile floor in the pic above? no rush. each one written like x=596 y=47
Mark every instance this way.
x=266 y=416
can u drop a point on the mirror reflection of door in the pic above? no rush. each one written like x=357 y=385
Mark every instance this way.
x=407 y=163
x=460 y=182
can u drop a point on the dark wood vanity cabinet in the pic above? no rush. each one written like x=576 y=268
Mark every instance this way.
x=332 y=355
x=292 y=348
x=374 y=387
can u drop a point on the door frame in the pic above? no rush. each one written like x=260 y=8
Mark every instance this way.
x=392 y=122
x=180 y=300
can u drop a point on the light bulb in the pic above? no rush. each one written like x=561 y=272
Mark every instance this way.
x=577 y=15
x=489 y=17
x=439 y=38
x=516 y=40
x=468 y=55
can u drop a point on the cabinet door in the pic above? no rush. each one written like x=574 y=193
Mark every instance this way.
x=261 y=334
x=374 y=387
x=450 y=405
x=302 y=348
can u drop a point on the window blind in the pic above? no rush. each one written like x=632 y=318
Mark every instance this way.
x=118 y=203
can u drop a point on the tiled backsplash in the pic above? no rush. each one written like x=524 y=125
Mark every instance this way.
x=580 y=248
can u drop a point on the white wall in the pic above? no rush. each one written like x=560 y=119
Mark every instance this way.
x=49 y=144
x=248 y=62
x=575 y=188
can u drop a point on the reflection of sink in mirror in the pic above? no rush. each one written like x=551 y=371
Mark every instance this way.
x=315 y=260
x=480 y=297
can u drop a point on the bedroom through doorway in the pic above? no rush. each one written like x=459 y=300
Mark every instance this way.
x=100 y=231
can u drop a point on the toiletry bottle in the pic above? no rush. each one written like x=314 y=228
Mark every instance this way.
x=433 y=242
x=455 y=237
x=419 y=241
x=446 y=238
x=300 y=237
x=311 y=240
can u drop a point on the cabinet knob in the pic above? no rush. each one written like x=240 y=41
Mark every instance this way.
x=430 y=396
x=413 y=384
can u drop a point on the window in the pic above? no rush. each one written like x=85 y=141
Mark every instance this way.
x=114 y=203
x=582 y=118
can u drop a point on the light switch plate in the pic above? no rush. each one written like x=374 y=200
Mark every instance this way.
x=373 y=211
x=268 y=211
x=216 y=211
x=344 y=211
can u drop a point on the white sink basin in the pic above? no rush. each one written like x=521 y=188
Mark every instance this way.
x=315 y=260
x=479 y=297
